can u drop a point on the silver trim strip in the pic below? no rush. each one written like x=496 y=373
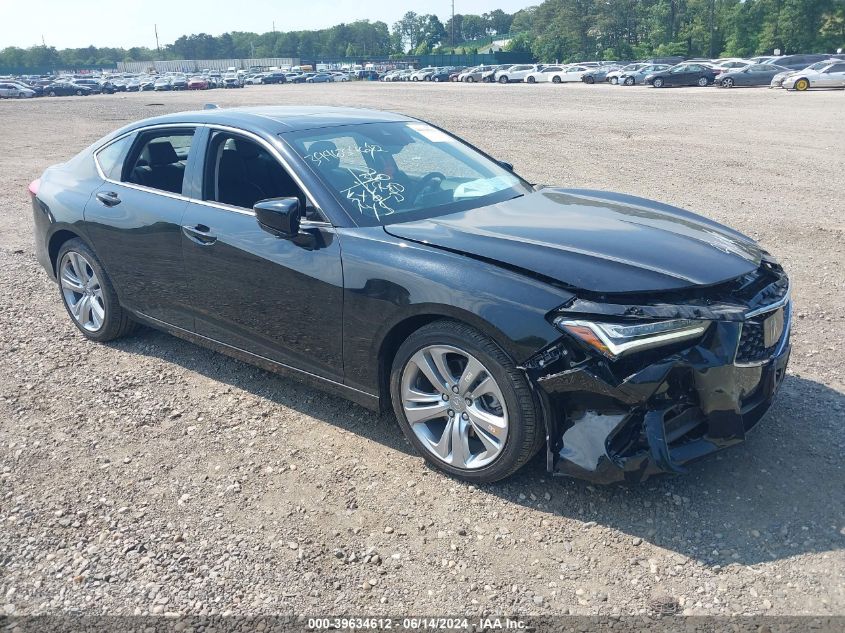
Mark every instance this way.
x=771 y=307
x=254 y=355
x=784 y=337
x=217 y=205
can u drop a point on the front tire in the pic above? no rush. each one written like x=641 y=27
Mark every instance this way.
x=463 y=404
x=657 y=83
x=702 y=82
x=88 y=295
x=802 y=85
x=556 y=79
x=727 y=83
x=503 y=79
x=531 y=80
x=590 y=80
x=629 y=81
x=614 y=81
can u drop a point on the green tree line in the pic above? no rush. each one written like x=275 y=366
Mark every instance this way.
x=563 y=30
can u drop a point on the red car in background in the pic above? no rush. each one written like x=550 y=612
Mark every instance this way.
x=198 y=83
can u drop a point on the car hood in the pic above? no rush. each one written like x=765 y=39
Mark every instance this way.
x=593 y=240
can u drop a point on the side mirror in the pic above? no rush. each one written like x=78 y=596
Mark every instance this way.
x=279 y=216
x=506 y=165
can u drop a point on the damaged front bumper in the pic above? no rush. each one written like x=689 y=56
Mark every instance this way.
x=628 y=419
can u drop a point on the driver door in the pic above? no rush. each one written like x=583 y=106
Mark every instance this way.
x=280 y=299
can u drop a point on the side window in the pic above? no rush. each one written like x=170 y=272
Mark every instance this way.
x=836 y=68
x=158 y=160
x=110 y=158
x=240 y=172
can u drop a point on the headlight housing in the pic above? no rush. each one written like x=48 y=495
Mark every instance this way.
x=618 y=339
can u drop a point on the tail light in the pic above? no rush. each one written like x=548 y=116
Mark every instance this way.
x=33 y=187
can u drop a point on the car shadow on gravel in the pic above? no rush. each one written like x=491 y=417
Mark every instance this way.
x=778 y=495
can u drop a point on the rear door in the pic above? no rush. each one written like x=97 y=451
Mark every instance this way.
x=281 y=299
x=678 y=76
x=833 y=76
x=134 y=220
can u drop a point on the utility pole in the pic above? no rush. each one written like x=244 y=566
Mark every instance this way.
x=274 y=27
x=712 y=25
x=158 y=48
x=453 y=25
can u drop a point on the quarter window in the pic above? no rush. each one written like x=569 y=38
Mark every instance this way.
x=110 y=158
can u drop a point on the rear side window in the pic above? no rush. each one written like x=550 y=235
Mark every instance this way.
x=836 y=68
x=110 y=158
x=158 y=160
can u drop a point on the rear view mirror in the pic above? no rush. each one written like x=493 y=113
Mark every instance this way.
x=280 y=216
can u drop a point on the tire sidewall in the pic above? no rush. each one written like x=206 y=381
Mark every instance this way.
x=504 y=464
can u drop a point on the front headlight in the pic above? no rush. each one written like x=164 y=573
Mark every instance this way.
x=617 y=339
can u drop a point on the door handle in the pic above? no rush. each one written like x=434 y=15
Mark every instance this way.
x=108 y=198
x=199 y=234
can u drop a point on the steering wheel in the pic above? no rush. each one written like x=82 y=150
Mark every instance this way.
x=426 y=183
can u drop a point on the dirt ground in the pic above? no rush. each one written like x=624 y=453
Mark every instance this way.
x=152 y=476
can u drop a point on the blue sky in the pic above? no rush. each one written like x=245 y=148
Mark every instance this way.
x=77 y=23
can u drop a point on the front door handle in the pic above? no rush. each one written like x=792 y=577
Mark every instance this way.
x=108 y=198
x=200 y=234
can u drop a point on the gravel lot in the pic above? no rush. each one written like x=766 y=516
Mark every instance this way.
x=152 y=476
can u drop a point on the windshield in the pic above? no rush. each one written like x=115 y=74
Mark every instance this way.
x=382 y=173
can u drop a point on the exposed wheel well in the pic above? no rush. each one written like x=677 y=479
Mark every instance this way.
x=56 y=241
x=394 y=338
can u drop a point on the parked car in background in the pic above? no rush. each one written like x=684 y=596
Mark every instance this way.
x=831 y=75
x=92 y=84
x=15 y=91
x=197 y=83
x=542 y=76
x=730 y=63
x=456 y=72
x=777 y=80
x=66 y=88
x=232 y=80
x=612 y=77
x=441 y=74
x=569 y=74
x=320 y=78
x=695 y=74
x=162 y=84
x=750 y=75
x=179 y=82
x=798 y=62
x=516 y=73
x=275 y=77
x=475 y=74
x=598 y=75
x=423 y=74
x=490 y=75
x=637 y=77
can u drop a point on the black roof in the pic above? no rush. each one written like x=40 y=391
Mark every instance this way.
x=278 y=119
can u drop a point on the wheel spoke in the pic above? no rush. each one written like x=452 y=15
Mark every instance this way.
x=443 y=447
x=492 y=444
x=77 y=309
x=486 y=420
x=438 y=355
x=417 y=415
x=409 y=394
x=426 y=365
x=461 y=455
x=97 y=312
x=80 y=266
x=85 y=311
x=70 y=281
x=470 y=375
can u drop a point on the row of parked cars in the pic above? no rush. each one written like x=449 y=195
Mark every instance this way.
x=799 y=72
x=23 y=87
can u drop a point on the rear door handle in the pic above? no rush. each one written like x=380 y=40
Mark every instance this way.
x=199 y=234
x=108 y=198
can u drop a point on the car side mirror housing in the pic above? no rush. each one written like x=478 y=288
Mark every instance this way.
x=506 y=165
x=279 y=216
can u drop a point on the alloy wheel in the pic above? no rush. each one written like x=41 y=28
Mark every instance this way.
x=728 y=83
x=802 y=84
x=82 y=291
x=702 y=81
x=454 y=406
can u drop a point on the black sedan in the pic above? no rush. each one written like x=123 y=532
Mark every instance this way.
x=66 y=88
x=685 y=74
x=388 y=261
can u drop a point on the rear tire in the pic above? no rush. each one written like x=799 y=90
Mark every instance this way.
x=629 y=81
x=614 y=81
x=727 y=83
x=556 y=79
x=78 y=267
x=657 y=83
x=702 y=82
x=469 y=80
x=531 y=80
x=590 y=80
x=503 y=79
x=516 y=416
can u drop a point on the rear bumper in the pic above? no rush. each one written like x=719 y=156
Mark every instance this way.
x=665 y=415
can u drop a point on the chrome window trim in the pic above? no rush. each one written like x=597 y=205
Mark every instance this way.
x=209 y=203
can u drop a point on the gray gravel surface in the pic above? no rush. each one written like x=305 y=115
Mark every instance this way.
x=152 y=476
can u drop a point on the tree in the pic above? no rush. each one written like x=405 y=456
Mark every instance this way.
x=498 y=21
x=473 y=27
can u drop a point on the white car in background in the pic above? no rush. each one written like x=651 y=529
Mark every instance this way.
x=423 y=74
x=831 y=75
x=517 y=72
x=569 y=74
x=542 y=76
x=777 y=80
